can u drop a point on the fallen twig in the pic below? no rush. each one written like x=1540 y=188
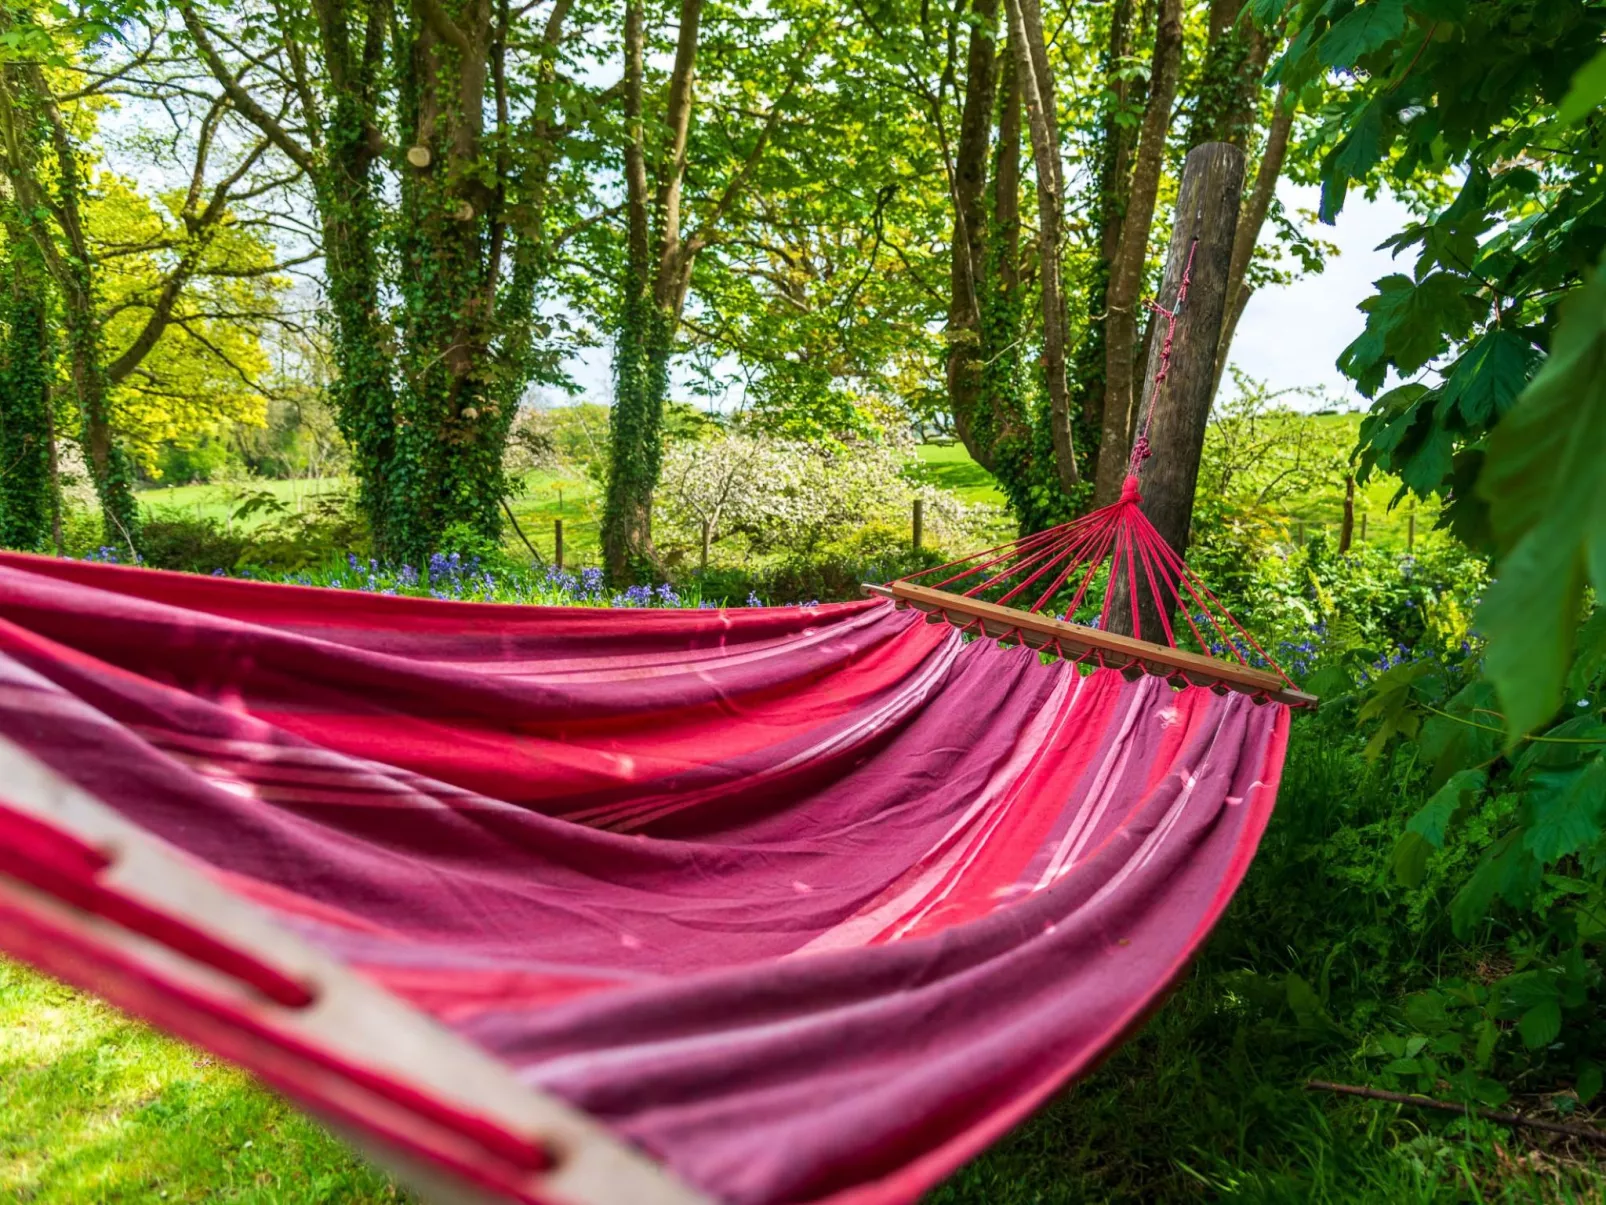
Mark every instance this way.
x=1587 y=1133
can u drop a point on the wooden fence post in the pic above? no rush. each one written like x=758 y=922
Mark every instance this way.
x=1346 y=532
x=1363 y=527
x=557 y=544
x=919 y=523
x=1410 y=531
x=1208 y=199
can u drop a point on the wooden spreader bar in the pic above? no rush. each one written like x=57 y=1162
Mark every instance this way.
x=1109 y=649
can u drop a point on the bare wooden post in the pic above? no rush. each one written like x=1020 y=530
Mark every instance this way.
x=919 y=523
x=557 y=543
x=1363 y=527
x=708 y=536
x=1208 y=199
x=1301 y=537
x=1410 y=531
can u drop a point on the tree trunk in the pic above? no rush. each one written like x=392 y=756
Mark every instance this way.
x=1250 y=223
x=1230 y=78
x=27 y=480
x=645 y=334
x=30 y=120
x=970 y=241
x=447 y=458
x=1108 y=208
x=1206 y=221
x=1126 y=273
x=1037 y=90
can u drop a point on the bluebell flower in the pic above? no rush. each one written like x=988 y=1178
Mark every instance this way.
x=753 y=599
x=408 y=576
x=351 y=560
x=218 y=573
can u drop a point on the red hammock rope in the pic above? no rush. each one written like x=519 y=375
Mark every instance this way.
x=1058 y=571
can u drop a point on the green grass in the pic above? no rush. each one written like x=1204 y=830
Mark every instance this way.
x=95 y=1107
x=950 y=467
x=571 y=496
x=220 y=499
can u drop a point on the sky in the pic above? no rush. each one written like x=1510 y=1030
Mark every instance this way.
x=1289 y=337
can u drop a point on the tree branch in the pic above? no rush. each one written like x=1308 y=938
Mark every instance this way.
x=243 y=101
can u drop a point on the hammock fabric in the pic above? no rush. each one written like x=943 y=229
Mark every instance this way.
x=570 y=905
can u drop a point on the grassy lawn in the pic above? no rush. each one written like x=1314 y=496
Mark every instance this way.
x=949 y=467
x=95 y=1107
x=571 y=496
x=220 y=499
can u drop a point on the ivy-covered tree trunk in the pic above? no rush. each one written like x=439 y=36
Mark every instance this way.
x=447 y=465
x=363 y=397
x=30 y=122
x=428 y=383
x=1107 y=207
x=989 y=386
x=975 y=417
x=27 y=435
x=653 y=293
x=1127 y=266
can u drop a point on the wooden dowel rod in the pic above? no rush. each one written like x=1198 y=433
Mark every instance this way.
x=1111 y=648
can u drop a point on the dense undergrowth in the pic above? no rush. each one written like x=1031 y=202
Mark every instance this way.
x=1326 y=967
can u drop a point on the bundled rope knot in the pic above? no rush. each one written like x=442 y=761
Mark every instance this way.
x=1140 y=446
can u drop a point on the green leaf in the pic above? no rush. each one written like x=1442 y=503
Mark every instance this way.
x=1440 y=10
x=1540 y=1024
x=1365 y=29
x=1267 y=12
x=1590 y=663
x=1488 y=1039
x=1424 y=832
x=1566 y=811
x=1433 y=819
x=1506 y=870
x=1410 y=863
x=1488 y=377
x=1587 y=92
x=1544 y=481
x=1588 y=1084
x=1351 y=159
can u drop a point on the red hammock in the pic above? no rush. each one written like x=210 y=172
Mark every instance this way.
x=570 y=905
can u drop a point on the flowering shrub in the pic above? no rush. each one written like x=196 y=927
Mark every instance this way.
x=790 y=497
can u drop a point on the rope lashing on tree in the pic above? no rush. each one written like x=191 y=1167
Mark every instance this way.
x=1092 y=574
x=1140 y=446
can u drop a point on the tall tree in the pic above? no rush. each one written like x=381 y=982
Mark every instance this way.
x=448 y=107
x=28 y=493
x=1036 y=76
x=1128 y=264
x=661 y=253
x=47 y=96
x=32 y=129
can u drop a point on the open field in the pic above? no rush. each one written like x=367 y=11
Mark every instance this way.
x=575 y=497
